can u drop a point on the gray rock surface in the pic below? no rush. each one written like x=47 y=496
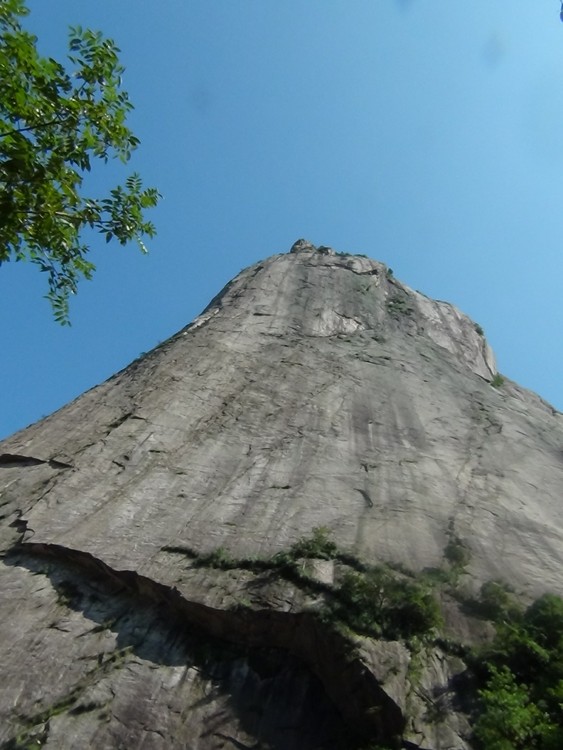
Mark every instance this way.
x=314 y=390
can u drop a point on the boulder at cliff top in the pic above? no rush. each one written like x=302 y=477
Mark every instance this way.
x=315 y=390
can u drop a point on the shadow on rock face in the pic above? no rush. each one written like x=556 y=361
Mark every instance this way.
x=170 y=679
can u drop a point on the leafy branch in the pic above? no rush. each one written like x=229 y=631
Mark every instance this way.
x=53 y=123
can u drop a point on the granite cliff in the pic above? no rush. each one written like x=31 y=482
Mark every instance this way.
x=178 y=544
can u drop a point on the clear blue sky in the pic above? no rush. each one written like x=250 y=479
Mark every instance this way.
x=425 y=133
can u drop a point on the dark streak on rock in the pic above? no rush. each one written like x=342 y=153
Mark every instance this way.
x=364 y=494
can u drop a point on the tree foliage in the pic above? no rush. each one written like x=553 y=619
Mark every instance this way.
x=378 y=602
x=511 y=719
x=53 y=123
x=522 y=700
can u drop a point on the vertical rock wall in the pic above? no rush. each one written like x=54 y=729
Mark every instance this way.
x=314 y=391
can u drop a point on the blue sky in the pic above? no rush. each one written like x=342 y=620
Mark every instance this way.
x=427 y=134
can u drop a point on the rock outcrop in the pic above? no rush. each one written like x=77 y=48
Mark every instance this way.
x=144 y=601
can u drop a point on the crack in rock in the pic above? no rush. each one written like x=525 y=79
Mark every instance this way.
x=13 y=460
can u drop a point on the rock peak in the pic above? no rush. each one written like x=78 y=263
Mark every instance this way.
x=302 y=246
x=321 y=292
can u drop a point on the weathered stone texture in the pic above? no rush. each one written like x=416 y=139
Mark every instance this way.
x=315 y=390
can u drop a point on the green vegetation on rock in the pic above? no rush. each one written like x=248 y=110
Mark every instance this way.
x=397 y=306
x=381 y=604
x=319 y=545
x=371 y=600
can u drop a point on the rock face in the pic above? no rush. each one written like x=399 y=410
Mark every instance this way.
x=314 y=391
